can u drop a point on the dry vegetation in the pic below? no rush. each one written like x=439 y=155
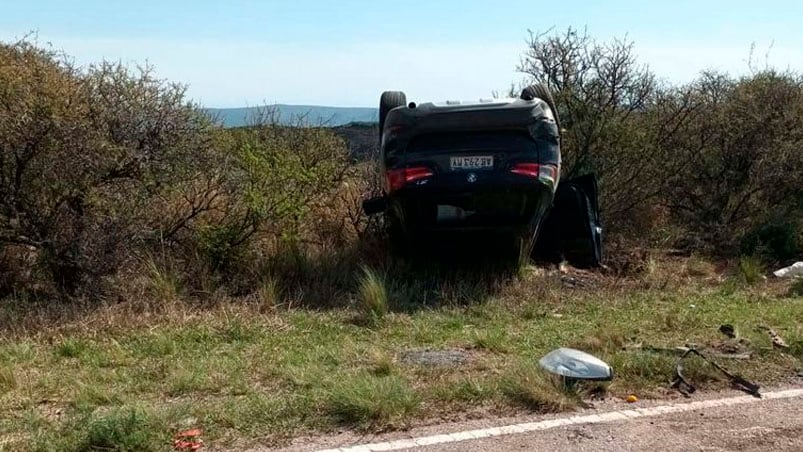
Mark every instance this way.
x=130 y=375
x=158 y=272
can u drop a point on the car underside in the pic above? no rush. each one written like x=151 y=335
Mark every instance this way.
x=488 y=167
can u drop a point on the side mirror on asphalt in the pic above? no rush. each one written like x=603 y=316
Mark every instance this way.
x=573 y=364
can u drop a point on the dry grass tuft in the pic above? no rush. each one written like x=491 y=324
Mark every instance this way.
x=373 y=299
x=697 y=267
x=751 y=270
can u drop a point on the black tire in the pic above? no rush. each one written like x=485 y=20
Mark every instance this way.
x=389 y=101
x=540 y=91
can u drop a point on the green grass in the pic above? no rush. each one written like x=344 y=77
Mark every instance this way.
x=117 y=379
x=536 y=390
x=796 y=289
x=373 y=300
x=751 y=269
x=370 y=402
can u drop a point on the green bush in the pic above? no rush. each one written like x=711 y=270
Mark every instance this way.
x=777 y=241
x=91 y=163
x=102 y=165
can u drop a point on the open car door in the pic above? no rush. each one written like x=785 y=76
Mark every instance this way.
x=572 y=229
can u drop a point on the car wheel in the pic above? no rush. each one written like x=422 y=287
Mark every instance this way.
x=540 y=91
x=389 y=101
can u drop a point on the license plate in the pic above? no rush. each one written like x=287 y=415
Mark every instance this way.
x=472 y=162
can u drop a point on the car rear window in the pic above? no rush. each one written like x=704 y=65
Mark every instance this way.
x=453 y=141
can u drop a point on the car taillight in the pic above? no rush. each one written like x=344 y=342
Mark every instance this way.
x=525 y=169
x=398 y=178
x=547 y=174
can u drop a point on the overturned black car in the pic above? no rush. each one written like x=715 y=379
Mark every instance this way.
x=490 y=167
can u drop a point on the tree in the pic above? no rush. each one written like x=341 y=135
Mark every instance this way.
x=619 y=121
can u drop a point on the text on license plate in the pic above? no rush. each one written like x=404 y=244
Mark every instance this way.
x=472 y=162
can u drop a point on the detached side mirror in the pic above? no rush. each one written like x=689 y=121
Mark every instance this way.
x=374 y=206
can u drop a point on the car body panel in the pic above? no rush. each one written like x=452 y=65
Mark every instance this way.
x=445 y=141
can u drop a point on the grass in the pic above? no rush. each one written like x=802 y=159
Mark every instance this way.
x=164 y=283
x=536 y=390
x=796 y=289
x=373 y=301
x=751 y=270
x=370 y=402
x=126 y=377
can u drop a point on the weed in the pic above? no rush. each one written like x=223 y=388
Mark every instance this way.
x=536 y=390
x=372 y=402
x=70 y=348
x=467 y=390
x=7 y=379
x=751 y=270
x=373 y=295
x=381 y=363
x=796 y=289
x=121 y=430
x=698 y=267
x=493 y=340
x=91 y=396
x=163 y=282
x=267 y=295
x=252 y=384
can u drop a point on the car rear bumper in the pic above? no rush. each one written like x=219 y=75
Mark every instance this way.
x=505 y=207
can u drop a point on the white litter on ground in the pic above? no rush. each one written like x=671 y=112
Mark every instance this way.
x=791 y=271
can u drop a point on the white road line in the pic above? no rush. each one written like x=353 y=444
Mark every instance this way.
x=600 y=418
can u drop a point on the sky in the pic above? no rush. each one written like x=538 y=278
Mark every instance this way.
x=346 y=52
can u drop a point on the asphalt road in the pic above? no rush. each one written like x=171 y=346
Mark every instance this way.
x=770 y=424
x=773 y=425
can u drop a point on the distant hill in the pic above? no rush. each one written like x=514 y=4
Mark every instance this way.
x=311 y=115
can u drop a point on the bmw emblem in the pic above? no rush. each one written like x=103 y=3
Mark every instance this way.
x=471 y=178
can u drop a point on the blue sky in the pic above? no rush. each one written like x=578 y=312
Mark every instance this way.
x=345 y=52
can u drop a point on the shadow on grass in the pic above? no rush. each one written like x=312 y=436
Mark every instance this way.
x=451 y=273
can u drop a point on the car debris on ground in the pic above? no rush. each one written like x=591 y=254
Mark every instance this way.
x=775 y=338
x=574 y=365
x=792 y=271
x=682 y=384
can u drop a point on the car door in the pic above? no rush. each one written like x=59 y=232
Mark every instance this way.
x=572 y=230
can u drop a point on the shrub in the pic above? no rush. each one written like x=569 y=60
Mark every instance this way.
x=619 y=121
x=85 y=156
x=777 y=241
x=746 y=160
x=103 y=165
